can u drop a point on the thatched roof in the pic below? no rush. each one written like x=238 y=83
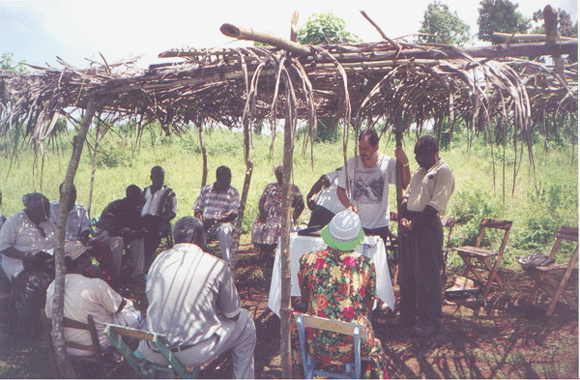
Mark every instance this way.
x=415 y=82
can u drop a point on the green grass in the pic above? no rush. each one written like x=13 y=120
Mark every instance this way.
x=537 y=207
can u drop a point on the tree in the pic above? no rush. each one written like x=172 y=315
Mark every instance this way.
x=500 y=16
x=443 y=26
x=7 y=63
x=325 y=28
x=565 y=26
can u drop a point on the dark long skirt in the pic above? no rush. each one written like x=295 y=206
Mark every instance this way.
x=420 y=261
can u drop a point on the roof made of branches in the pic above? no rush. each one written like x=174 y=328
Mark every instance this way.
x=359 y=82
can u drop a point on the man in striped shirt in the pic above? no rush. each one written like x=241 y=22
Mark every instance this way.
x=217 y=206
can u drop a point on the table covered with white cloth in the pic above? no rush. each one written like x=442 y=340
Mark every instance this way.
x=371 y=247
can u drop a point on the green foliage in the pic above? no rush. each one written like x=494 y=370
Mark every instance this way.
x=471 y=207
x=7 y=63
x=444 y=26
x=565 y=26
x=500 y=16
x=325 y=28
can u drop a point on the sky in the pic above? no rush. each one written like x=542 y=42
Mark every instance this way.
x=77 y=31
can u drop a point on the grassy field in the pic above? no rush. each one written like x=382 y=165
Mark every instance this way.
x=540 y=202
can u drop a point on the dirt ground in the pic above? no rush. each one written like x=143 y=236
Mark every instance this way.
x=500 y=337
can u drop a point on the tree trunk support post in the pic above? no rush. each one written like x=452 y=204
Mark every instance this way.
x=62 y=358
x=286 y=305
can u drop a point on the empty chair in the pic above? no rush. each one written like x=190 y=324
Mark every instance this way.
x=481 y=261
x=544 y=276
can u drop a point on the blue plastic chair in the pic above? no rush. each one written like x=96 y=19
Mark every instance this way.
x=346 y=328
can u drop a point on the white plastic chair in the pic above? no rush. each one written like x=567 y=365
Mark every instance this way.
x=353 y=329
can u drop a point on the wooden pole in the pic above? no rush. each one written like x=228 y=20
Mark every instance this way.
x=285 y=304
x=399 y=141
x=62 y=358
x=265 y=37
x=243 y=201
x=203 y=155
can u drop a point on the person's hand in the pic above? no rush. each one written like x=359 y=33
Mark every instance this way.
x=208 y=223
x=352 y=208
x=406 y=226
x=263 y=217
x=401 y=156
x=29 y=257
x=311 y=204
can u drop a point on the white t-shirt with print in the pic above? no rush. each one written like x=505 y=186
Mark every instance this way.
x=369 y=189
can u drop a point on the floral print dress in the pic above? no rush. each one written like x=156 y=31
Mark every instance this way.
x=340 y=285
x=270 y=205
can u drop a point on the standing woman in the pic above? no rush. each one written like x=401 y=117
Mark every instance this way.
x=268 y=225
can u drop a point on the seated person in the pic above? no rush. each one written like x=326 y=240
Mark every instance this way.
x=340 y=284
x=193 y=301
x=86 y=293
x=27 y=242
x=120 y=227
x=217 y=206
x=26 y=233
x=160 y=207
x=78 y=228
x=268 y=225
x=326 y=204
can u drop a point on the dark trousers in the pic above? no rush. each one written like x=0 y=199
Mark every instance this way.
x=320 y=216
x=156 y=229
x=420 y=259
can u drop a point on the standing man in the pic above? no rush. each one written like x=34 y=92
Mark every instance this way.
x=193 y=301
x=160 y=207
x=421 y=243
x=369 y=175
x=217 y=206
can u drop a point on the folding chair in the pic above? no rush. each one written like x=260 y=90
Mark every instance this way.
x=447 y=223
x=144 y=368
x=346 y=328
x=478 y=260
x=543 y=276
x=96 y=355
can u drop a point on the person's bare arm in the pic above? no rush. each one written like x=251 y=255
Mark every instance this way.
x=341 y=192
x=322 y=182
x=16 y=254
x=405 y=172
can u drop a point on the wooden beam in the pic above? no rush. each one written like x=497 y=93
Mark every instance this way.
x=265 y=37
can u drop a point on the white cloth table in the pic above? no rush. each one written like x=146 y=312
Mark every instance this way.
x=372 y=247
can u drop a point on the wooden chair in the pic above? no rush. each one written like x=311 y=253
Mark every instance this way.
x=448 y=223
x=144 y=368
x=544 y=276
x=346 y=328
x=480 y=260
x=96 y=353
